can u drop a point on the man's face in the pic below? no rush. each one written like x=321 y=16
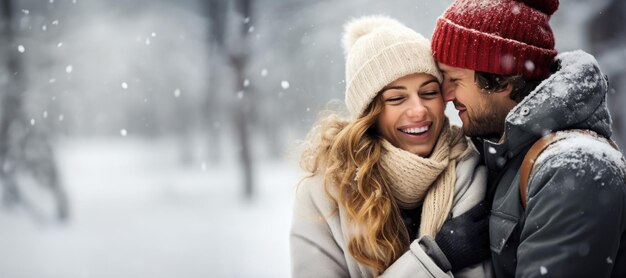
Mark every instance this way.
x=481 y=112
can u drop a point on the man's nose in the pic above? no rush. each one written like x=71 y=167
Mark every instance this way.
x=448 y=92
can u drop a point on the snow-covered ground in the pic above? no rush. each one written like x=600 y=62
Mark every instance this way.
x=135 y=212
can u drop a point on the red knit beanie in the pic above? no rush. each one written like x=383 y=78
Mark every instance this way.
x=497 y=36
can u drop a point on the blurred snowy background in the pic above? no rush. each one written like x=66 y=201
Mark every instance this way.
x=156 y=138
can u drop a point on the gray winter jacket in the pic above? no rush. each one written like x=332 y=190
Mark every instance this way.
x=574 y=224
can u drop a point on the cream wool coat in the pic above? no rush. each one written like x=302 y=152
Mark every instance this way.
x=319 y=246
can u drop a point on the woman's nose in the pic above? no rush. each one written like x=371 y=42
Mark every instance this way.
x=417 y=110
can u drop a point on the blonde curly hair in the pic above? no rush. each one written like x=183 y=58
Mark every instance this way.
x=347 y=154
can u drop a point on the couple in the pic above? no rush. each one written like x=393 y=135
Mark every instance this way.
x=396 y=191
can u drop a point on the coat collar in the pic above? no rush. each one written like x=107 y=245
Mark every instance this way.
x=574 y=96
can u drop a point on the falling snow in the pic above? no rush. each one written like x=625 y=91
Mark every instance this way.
x=515 y=9
x=529 y=65
x=314 y=82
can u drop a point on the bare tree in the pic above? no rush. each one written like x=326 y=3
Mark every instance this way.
x=216 y=11
x=11 y=98
x=229 y=38
x=26 y=156
x=239 y=52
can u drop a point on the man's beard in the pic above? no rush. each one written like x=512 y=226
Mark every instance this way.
x=485 y=122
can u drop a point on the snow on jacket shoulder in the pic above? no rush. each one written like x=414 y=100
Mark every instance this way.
x=577 y=203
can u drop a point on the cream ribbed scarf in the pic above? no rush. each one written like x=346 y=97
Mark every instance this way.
x=415 y=179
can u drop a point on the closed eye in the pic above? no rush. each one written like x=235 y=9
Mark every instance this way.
x=394 y=99
x=430 y=93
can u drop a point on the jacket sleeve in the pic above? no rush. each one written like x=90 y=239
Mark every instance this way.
x=314 y=251
x=418 y=261
x=574 y=217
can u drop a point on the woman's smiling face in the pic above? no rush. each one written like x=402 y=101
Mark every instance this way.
x=413 y=113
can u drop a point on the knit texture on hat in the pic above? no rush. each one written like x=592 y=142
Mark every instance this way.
x=497 y=36
x=378 y=51
x=415 y=179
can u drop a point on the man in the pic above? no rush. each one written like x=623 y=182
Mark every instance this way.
x=503 y=75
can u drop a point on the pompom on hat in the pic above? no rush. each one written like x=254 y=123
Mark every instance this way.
x=497 y=36
x=378 y=51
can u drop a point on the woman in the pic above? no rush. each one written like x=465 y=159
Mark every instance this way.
x=383 y=181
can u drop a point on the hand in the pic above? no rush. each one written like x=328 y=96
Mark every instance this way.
x=465 y=239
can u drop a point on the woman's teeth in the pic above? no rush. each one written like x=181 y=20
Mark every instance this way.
x=415 y=130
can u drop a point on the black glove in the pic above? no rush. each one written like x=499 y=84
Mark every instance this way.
x=465 y=239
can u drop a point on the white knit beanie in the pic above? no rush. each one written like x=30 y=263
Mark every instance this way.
x=378 y=51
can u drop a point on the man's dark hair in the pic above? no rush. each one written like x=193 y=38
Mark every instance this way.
x=494 y=83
